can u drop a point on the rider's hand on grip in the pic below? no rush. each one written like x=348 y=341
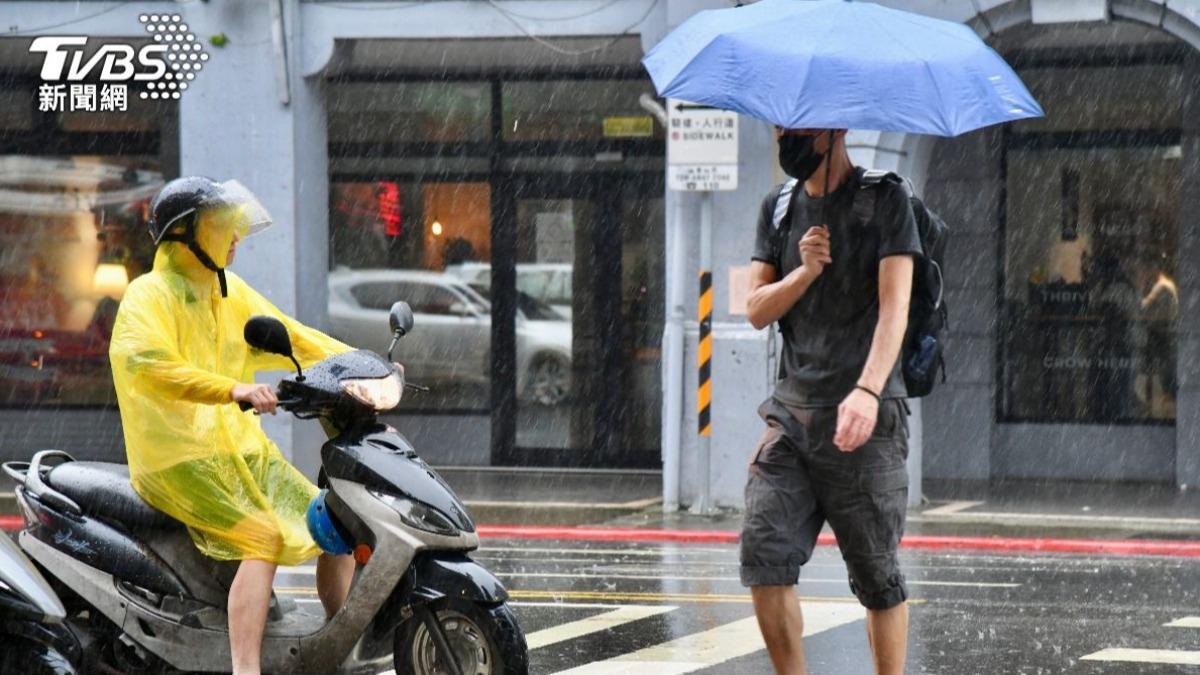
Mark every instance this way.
x=258 y=396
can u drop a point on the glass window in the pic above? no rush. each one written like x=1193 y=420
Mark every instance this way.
x=419 y=242
x=558 y=391
x=425 y=216
x=430 y=299
x=1089 y=284
x=587 y=314
x=377 y=295
x=72 y=235
x=145 y=116
x=423 y=298
x=409 y=112
x=16 y=110
x=1149 y=94
x=577 y=110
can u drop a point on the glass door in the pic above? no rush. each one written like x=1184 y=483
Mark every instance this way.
x=588 y=298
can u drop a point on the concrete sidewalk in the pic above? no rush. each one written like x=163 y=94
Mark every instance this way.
x=554 y=496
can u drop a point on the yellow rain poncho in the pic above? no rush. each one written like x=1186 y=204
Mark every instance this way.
x=176 y=352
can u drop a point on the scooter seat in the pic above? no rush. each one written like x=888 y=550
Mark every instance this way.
x=103 y=490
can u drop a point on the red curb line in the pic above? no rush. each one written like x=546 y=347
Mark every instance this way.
x=1147 y=547
x=1182 y=549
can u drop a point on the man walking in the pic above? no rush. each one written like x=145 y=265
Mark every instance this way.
x=837 y=277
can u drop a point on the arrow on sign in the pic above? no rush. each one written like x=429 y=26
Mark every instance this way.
x=692 y=106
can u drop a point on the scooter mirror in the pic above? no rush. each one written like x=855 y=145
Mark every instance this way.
x=400 y=319
x=268 y=334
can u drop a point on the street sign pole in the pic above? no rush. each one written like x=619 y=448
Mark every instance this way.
x=702 y=157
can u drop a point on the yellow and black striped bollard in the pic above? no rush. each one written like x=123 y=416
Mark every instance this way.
x=704 y=382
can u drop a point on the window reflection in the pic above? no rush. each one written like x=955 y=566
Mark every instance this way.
x=588 y=258
x=409 y=112
x=72 y=236
x=412 y=241
x=580 y=110
x=1090 y=288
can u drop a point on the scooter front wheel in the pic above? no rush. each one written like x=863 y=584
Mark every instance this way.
x=484 y=640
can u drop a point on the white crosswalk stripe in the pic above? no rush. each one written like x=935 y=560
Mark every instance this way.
x=1177 y=657
x=717 y=645
x=1170 y=656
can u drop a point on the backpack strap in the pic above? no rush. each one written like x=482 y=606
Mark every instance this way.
x=781 y=224
x=864 y=201
x=783 y=204
x=871 y=177
x=864 y=204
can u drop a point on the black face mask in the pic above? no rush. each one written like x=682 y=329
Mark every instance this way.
x=797 y=157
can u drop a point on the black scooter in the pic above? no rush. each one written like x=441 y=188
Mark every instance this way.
x=33 y=639
x=140 y=597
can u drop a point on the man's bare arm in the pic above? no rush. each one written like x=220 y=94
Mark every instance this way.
x=770 y=298
x=895 y=289
x=859 y=412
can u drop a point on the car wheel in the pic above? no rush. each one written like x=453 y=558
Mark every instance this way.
x=549 y=380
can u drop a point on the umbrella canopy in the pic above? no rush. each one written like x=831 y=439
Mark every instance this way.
x=833 y=64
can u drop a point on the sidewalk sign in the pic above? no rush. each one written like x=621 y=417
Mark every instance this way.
x=702 y=147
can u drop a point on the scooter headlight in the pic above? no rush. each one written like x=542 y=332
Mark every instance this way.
x=382 y=393
x=418 y=515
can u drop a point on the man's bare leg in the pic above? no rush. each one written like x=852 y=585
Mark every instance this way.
x=782 y=626
x=249 y=598
x=887 y=633
x=334 y=574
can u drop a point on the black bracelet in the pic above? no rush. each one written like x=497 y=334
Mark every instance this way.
x=878 y=398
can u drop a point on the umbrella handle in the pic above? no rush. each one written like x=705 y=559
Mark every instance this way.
x=825 y=193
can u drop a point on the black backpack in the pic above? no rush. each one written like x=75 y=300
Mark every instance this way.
x=921 y=357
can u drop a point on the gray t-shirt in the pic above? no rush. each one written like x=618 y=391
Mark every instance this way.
x=827 y=334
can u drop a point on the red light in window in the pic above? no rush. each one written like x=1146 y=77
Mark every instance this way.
x=388 y=194
x=38 y=334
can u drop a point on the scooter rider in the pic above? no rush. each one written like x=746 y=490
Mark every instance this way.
x=180 y=367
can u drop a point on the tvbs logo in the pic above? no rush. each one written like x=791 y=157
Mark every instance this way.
x=81 y=75
x=112 y=62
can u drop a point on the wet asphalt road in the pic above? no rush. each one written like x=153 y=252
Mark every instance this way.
x=590 y=608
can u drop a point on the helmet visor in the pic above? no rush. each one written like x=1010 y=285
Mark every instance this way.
x=254 y=217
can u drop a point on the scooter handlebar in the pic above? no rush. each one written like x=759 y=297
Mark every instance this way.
x=284 y=403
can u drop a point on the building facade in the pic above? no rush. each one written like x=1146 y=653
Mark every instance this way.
x=500 y=166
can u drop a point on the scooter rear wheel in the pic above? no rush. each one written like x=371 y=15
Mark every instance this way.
x=485 y=640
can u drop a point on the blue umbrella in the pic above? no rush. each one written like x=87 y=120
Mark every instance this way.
x=835 y=64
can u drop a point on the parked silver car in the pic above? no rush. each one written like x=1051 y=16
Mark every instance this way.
x=549 y=283
x=454 y=343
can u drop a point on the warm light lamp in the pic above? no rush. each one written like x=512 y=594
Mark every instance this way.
x=110 y=279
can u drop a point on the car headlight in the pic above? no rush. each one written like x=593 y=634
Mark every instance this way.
x=381 y=393
x=418 y=515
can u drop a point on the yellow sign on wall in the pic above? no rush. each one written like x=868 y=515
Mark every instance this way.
x=632 y=126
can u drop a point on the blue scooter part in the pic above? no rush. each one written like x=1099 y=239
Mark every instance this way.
x=329 y=535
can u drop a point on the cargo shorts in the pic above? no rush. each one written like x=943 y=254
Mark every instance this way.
x=799 y=480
